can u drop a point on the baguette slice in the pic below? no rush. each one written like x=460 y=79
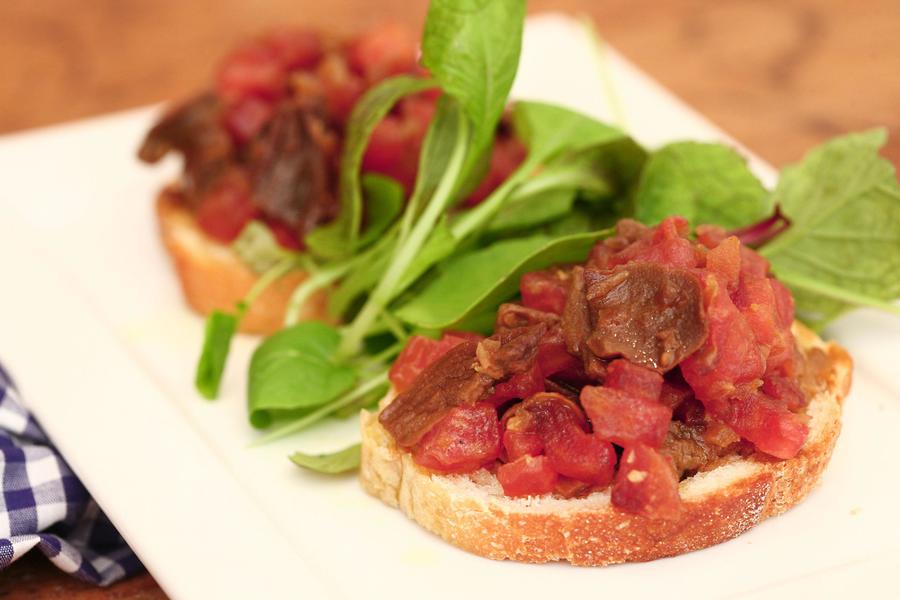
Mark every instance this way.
x=471 y=512
x=213 y=277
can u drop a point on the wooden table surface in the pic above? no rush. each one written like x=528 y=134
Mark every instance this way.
x=779 y=75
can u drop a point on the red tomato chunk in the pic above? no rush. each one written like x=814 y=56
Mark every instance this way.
x=527 y=476
x=625 y=419
x=646 y=484
x=466 y=439
x=633 y=379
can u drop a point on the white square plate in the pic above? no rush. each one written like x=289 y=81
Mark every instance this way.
x=93 y=326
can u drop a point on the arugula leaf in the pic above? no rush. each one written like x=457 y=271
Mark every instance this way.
x=704 y=183
x=472 y=48
x=478 y=281
x=334 y=463
x=548 y=130
x=384 y=202
x=296 y=368
x=450 y=117
x=220 y=328
x=843 y=245
x=257 y=247
x=340 y=237
x=523 y=212
x=368 y=400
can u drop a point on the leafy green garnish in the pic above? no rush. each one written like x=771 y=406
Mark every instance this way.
x=220 y=328
x=342 y=461
x=525 y=212
x=384 y=202
x=257 y=247
x=296 y=368
x=472 y=48
x=843 y=245
x=340 y=237
x=704 y=183
x=480 y=280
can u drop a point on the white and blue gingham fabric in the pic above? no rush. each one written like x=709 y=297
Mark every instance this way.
x=44 y=505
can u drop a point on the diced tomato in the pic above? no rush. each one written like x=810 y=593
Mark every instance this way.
x=668 y=245
x=506 y=156
x=420 y=352
x=785 y=391
x=341 y=87
x=389 y=49
x=724 y=261
x=625 y=419
x=226 y=209
x=753 y=266
x=711 y=235
x=284 y=235
x=246 y=117
x=467 y=438
x=295 y=48
x=646 y=484
x=522 y=385
x=545 y=290
x=633 y=379
x=554 y=358
x=784 y=303
x=520 y=434
x=773 y=429
x=251 y=70
x=757 y=301
x=730 y=355
x=580 y=455
x=527 y=476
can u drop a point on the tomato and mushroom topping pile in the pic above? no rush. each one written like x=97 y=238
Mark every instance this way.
x=265 y=142
x=658 y=357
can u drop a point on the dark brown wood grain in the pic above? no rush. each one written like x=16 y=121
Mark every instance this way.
x=780 y=75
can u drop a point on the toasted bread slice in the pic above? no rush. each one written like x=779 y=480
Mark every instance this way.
x=213 y=277
x=470 y=511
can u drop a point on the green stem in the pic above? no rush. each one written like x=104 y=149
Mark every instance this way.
x=409 y=248
x=311 y=285
x=394 y=326
x=281 y=268
x=472 y=219
x=323 y=411
x=836 y=293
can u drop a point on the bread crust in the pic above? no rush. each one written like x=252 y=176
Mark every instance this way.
x=471 y=512
x=213 y=277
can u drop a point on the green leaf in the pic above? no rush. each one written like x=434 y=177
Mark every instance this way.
x=440 y=245
x=548 y=130
x=340 y=237
x=472 y=48
x=296 y=368
x=257 y=247
x=521 y=213
x=342 y=461
x=842 y=248
x=220 y=328
x=368 y=400
x=478 y=281
x=384 y=202
x=704 y=183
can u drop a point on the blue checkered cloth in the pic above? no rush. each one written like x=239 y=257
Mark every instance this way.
x=44 y=505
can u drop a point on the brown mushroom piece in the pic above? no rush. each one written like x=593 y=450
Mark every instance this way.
x=449 y=381
x=649 y=313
